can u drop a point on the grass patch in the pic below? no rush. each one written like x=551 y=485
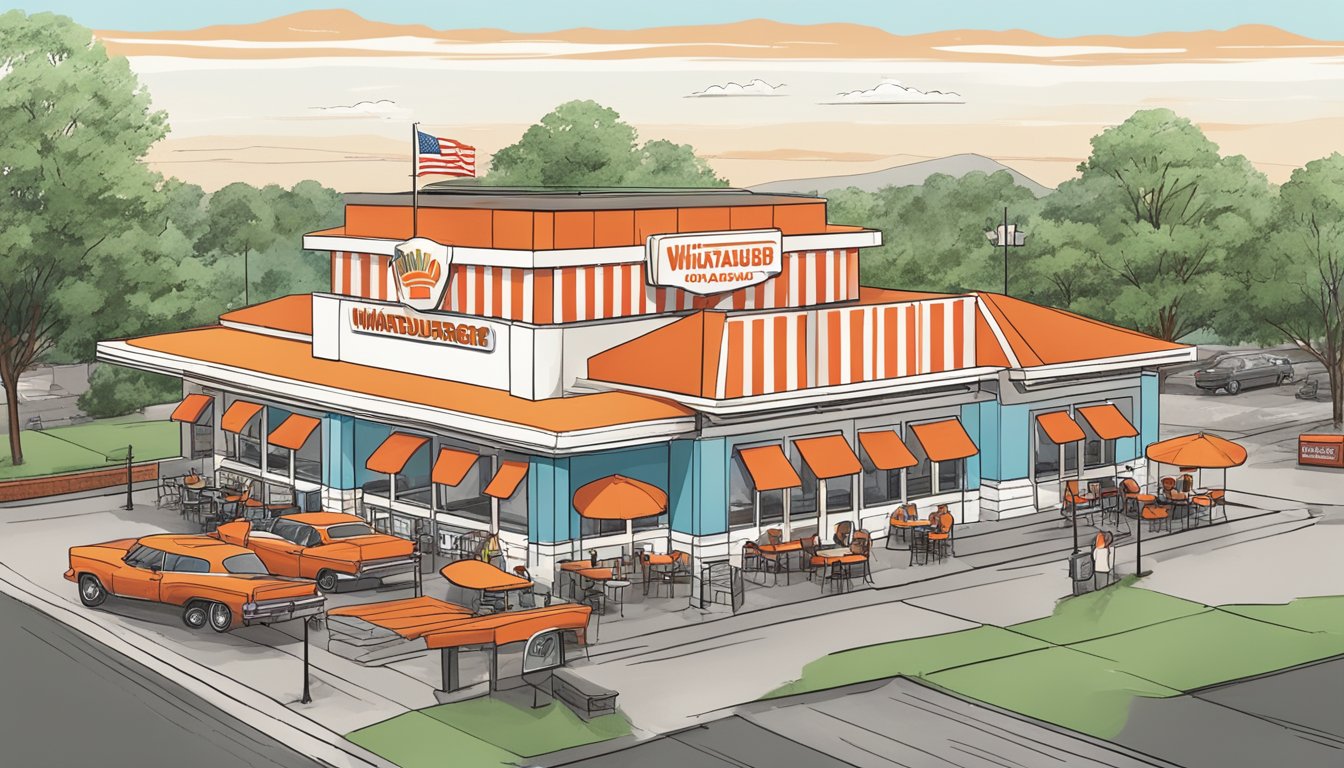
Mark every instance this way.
x=1107 y=612
x=484 y=731
x=416 y=740
x=1212 y=647
x=912 y=658
x=85 y=446
x=1057 y=685
x=1309 y=614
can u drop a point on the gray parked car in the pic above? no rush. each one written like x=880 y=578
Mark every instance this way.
x=1236 y=372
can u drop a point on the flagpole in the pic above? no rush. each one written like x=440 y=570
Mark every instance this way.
x=415 y=180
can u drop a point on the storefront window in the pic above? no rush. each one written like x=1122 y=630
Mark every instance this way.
x=413 y=485
x=513 y=510
x=277 y=458
x=880 y=486
x=1098 y=452
x=203 y=434
x=308 y=459
x=466 y=498
x=840 y=494
x=245 y=447
x=803 y=499
x=949 y=475
x=368 y=436
x=919 y=478
x=741 y=495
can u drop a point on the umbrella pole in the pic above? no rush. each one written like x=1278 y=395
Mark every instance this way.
x=630 y=534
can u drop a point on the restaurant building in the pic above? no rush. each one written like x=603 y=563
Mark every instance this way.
x=474 y=369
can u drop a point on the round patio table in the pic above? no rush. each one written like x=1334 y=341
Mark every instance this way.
x=483 y=577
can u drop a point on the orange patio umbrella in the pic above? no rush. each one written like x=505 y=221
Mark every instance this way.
x=1198 y=451
x=617 y=497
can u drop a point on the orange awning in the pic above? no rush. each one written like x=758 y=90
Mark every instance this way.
x=391 y=457
x=510 y=626
x=1199 y=451
x=619 y=498
x=411 y=618
x=1060 y=427
x=478 y=574
x=192 y=408
x=238 y=415
x=453 y=465
x=885 y=449
x=829 y=456
x=769 y=468
x=506 y=479
x=944 y=440
x=1107 y=421
x=293 y=432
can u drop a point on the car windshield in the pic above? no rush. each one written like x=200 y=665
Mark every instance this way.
x=348 y=531
x=247 y=563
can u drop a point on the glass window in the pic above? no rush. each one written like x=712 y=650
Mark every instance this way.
x=203 y=434
x=741 y=494
x=466 y=499
x=1096 y=452
x=803 y=499
x=1047 y=452
x=949 y=475
x=348 y=531
x=185 y=564
x=144 y=557
x=919 y=478
x=245 y=446
x=880 y=486
x=295 y=533
x=308 y=459
x=513 y=510
x=840 y=494
x=277 y=458
x=246 y=563
x=413 y=481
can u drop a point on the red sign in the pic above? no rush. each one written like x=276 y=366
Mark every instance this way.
x=1321 y=450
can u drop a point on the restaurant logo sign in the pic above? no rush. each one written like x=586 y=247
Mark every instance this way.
x=404 y=324
x=704 y=263
x=1320 y=453
x=420 y=271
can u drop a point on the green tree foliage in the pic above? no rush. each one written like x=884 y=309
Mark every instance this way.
x=1290 y=285
x=933 y=236
x=1143 y=237
x=117 y=391
x=584 y=144
x=74 y=125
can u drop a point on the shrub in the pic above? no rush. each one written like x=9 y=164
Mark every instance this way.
x=117 y=391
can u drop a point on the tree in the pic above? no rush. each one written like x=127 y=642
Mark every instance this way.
x=584 y=144
x=933 y=235
x=1155 y=213
x=117 y=391
x=239 y=222
x=74 y=125
x=1291 y=286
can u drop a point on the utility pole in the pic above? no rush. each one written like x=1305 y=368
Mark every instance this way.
x=307 y=697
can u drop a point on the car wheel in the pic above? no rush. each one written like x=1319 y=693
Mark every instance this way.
x=91 y=591
x=195 y=615
x=221 y=618
x=1233 y=387
x=326 y=581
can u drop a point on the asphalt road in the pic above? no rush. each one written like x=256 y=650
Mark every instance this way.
x=67 y=701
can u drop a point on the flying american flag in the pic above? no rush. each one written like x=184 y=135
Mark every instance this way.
x=444 y=157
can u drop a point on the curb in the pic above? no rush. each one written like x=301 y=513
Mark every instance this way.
x=249 y=706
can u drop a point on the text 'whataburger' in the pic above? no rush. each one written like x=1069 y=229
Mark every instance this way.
x=400 y=324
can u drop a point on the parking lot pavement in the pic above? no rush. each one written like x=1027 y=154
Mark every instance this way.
x=34 y=541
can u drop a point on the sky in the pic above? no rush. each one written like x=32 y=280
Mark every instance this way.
x=1321 y=19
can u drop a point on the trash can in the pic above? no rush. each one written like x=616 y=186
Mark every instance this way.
x=1080 y=568
x=424 y=545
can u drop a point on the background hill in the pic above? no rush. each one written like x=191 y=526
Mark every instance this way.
x=907 y=175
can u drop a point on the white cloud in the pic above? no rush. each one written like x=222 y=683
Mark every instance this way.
x=383 y=109
x=757 y=87
x=892 y=92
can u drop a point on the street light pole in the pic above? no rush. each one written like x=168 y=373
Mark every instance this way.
x=129 y=505
x=307 y=697
x=1005 y=250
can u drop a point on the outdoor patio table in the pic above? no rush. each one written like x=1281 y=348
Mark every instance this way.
x=783 y=550
x=834 y=552
x=196 y=485
x=483 y=577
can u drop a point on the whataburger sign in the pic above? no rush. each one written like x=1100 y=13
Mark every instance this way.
x=407 y=324
x=714 y=262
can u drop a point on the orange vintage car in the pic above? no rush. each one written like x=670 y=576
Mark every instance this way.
x=215 y=582
x=326 y=546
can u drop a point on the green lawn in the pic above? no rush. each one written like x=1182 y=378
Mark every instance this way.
x=912 y=658
x=1106 y=612
x=484 y=731
x=1082 y=666
x=1058 y=685
x=85 y=446
x=1212 y=647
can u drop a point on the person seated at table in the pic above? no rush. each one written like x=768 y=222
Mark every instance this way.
x=843 y=530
